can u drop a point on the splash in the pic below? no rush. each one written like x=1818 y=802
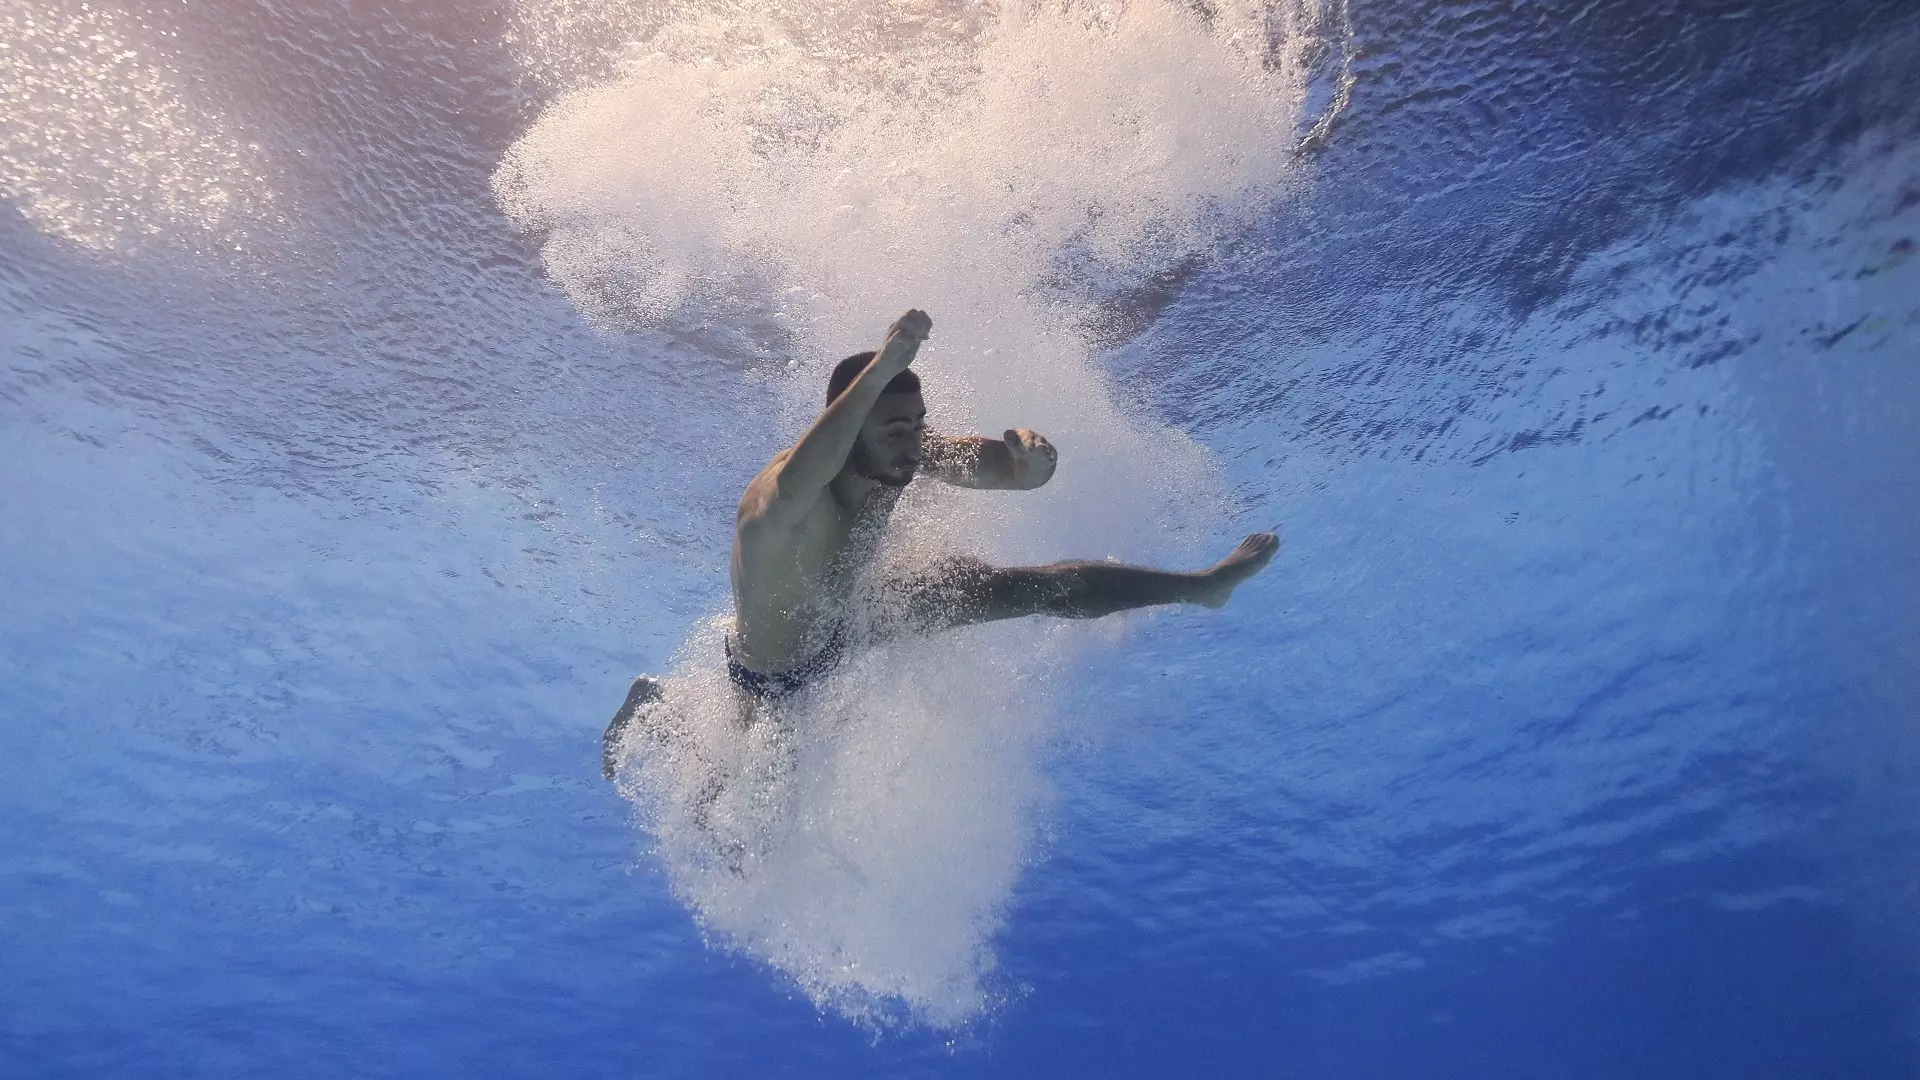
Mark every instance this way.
x=765 y=183
x=105 y=143
x=865 y=840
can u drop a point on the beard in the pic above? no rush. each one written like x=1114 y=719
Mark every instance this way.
x=864 y=466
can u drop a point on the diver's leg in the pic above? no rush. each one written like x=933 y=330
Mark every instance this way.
x=968 y=591
x=644 y=691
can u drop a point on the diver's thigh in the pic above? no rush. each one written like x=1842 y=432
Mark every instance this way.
x=964 y=590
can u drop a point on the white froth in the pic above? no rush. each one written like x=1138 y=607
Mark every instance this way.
x=867 y=842
x=788 y=183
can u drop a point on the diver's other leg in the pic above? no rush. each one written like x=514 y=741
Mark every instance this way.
x=644 y=691
x=969 y=591
x=1248 y=557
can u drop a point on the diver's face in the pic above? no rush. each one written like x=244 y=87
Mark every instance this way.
x=892 y=439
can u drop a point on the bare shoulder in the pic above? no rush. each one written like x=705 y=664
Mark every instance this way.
x=761 y=504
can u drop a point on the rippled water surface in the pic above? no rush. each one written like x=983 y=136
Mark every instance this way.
x=379 y=380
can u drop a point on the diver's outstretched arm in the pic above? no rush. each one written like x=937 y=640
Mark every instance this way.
x=1020 y=460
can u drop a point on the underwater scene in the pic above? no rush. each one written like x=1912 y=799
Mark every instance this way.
x=380 y=381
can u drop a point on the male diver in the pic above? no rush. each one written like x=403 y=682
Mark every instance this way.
x=809 y=525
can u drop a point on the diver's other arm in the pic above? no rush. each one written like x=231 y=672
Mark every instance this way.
x=820 y=454
x=1020 y=460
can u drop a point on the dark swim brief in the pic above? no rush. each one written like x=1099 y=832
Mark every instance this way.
x=776 y=685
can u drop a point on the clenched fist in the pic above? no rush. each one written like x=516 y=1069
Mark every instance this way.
x=1034 y=457
x=915 y=324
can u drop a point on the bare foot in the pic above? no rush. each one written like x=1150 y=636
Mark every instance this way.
x=1240 y=564
x=644 y=691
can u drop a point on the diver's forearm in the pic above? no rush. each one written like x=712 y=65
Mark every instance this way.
x=821 y=452
x=973 y=461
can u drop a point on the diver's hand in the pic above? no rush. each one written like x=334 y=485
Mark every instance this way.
x=915 y=325
x=902 y=344
x=1034 y=457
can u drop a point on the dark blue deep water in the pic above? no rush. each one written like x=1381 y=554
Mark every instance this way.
x=377 y=380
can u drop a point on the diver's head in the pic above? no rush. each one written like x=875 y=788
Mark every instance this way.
x=890 y=443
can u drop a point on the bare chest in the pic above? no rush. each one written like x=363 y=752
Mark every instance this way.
x=794 y=585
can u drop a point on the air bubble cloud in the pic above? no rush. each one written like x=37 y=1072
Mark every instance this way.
x=770 y=181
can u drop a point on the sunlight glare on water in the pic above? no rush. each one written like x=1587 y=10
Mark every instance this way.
x=107 y=146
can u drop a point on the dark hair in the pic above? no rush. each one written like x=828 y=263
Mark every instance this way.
x=849 y=369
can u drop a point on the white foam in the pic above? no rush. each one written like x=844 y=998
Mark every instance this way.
x=866 y=847
x=786 y=183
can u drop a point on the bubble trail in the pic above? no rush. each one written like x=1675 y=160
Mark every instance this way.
x=767 y=184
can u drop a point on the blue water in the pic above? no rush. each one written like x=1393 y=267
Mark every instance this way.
x=355 y=455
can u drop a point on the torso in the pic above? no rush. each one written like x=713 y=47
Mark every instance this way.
x=792 y=586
